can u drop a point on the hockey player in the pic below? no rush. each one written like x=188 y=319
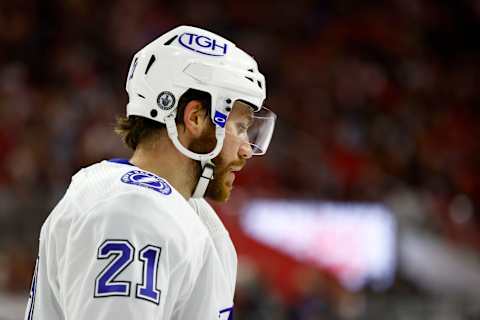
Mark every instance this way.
x=134 y=239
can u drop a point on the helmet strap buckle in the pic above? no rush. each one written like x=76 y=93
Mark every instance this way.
x=205 y=178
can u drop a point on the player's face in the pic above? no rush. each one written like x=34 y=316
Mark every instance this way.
x=235 y=152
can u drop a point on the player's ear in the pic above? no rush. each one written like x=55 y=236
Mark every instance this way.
x=195 y=118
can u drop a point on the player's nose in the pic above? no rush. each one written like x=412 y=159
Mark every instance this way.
x=245 y=151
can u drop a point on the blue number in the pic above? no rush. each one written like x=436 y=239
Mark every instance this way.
x=33 y=291
x=226 y=314
x=150 y=256
x=123 y=254
x=105 y=284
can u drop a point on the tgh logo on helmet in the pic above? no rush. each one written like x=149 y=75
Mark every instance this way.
x=166 y=100
x=203 y=44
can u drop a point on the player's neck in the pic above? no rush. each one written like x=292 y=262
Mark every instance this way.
x=164 y=160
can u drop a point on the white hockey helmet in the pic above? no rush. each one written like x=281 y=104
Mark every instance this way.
x=188 y=57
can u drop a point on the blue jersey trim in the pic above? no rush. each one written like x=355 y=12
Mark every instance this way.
x=121 y=161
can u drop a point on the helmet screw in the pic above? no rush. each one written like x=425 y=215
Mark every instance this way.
x=229 y=101
x=153 y=113
x=228 y=109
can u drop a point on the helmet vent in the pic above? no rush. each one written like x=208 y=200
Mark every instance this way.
x=251 y=79
x=170 y=41
x=138 y=94
x=259 y=84
x=152 y=60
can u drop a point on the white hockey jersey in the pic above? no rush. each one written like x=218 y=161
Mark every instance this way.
x=124 y=244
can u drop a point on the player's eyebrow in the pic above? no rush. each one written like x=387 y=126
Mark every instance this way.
x=250 y=119
x=247 y=115
x=245 y=112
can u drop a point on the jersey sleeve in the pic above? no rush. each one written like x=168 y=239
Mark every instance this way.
x=126 y=258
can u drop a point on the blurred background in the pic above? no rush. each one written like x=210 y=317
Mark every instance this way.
x=367 y=204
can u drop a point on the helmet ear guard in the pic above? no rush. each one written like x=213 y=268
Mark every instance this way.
x=192 y=58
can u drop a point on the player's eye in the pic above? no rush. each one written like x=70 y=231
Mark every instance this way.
x=242 y=128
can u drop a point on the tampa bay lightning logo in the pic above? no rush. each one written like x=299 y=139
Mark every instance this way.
x=147 y=180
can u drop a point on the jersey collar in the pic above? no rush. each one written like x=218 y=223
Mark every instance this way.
x=121 y=161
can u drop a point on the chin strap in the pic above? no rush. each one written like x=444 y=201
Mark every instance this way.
x=205 y=178
x=204 y=159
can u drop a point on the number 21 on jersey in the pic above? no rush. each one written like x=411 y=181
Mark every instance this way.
x=121 y=254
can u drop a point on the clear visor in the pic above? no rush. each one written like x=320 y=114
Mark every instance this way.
x=261 y=130
x=257 y=129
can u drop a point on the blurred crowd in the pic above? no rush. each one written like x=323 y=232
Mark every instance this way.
x=376 y=102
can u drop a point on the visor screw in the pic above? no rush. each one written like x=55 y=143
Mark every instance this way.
x=228 y=109
x=229 y=101
x=153 y=113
